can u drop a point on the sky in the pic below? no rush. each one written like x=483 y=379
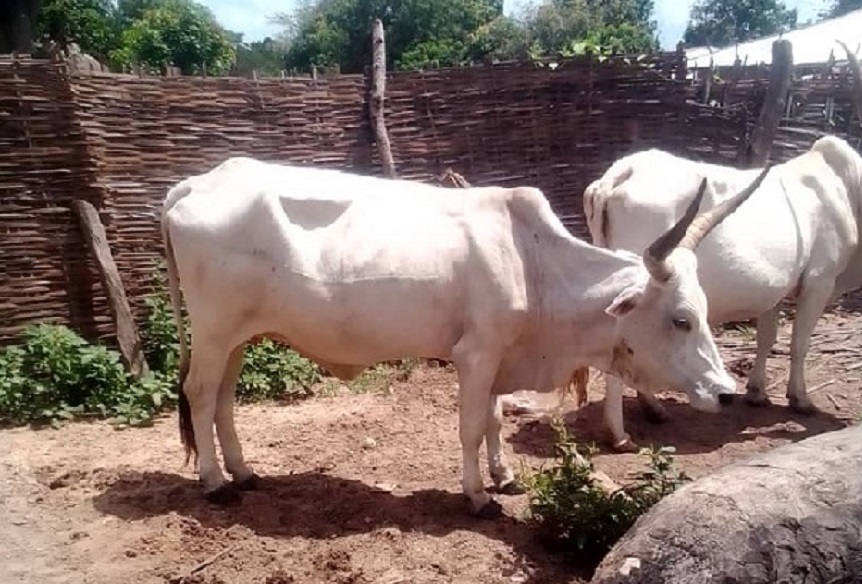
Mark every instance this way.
x=251 y=16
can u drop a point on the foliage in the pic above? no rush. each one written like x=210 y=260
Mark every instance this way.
x=719 y=23
x=55 y=374
x=89 y=23
x=273 y=372
x=576 y=514
x=558 y=26
x=423 y=33
x=181 y=33
x=327 y=33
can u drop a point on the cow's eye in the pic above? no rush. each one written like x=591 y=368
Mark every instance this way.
x=682 y=324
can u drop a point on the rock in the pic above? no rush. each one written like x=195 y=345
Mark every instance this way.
x=369 y=443
x=791 y=515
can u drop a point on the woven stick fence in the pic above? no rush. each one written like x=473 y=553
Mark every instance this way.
x=120 y=141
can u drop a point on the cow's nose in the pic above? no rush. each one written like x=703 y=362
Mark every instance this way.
x=725 y=399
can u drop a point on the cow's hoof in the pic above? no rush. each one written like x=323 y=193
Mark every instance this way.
x=224 y=496
x=804 y=407
x=756 y=398
x=512 y=488
x=490 y=510
x=249 y=483
x=625 y=445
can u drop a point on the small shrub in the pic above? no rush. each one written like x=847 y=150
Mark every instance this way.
x=576 y=515
x=274 y=372
x=54 y=375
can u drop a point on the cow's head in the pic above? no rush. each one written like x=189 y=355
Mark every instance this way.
x=662 y=335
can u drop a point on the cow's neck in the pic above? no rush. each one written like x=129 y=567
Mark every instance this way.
x=585 y=280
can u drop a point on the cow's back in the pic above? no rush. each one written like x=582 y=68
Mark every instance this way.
x=342 y=265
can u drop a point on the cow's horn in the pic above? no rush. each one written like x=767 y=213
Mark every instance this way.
x=656 y=254
x=857 y=79
x=709 y=220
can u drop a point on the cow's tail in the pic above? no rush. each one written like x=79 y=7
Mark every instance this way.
x=187 y=431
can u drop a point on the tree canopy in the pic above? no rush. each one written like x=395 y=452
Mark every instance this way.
x=720 y=23
x=422 y=33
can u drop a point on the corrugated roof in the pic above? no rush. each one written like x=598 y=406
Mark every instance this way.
x=811 y=44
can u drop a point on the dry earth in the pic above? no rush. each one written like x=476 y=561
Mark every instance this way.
x=358 y=488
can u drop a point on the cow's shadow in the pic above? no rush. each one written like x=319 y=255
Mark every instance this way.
x=689 y=431
x=319 y=506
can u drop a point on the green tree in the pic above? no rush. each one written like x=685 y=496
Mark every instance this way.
x=419 y=32
x=92 y=24
x=181 y=33
x=720 y=23
x=611 y=26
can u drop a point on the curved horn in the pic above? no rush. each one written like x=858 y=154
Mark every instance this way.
x=709 y=220
x=857 y=79
x=655 y=255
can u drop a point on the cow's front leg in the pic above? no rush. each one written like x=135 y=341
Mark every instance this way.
x=499 y=468
x=809 y=309
x=201 y=388
x=475 y=375
x=234 y=461
x=767 y=334
x=613 y=413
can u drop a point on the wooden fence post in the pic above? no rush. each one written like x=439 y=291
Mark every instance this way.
x=127 y=333
x=378 y=91
x=763 y=135
x=856 y=69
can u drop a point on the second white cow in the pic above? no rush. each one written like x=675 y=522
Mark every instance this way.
x=797 y=237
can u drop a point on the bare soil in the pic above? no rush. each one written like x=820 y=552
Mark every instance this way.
x=357 y=488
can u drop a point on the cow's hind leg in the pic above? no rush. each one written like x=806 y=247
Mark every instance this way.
x=501 y=472
x=809 y=309
x=234 y=462
x=767 y=333
x=476 y=373
x=201 y=388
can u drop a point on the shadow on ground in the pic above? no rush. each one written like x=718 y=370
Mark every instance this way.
x=689 y=431
x=321 y=506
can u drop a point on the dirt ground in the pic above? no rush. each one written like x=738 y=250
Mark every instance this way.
x=357 y=488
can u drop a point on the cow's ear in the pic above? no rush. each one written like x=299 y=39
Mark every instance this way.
x=625 y=302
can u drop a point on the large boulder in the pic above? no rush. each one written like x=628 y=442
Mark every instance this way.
x=791 y=515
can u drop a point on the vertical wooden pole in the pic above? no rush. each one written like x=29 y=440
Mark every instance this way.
x=763 y=135
x=127 y=334
x=378 y=92
x=856 y=69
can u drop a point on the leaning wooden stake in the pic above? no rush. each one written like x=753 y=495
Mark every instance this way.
x=378 y=91
x=773 y=105
x=127 y=332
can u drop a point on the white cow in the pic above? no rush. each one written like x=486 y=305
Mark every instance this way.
x=353 y=270
x=797 y=237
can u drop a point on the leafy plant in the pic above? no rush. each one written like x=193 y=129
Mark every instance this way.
x=55 y=375
x=273 y=372
x=577 y=515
